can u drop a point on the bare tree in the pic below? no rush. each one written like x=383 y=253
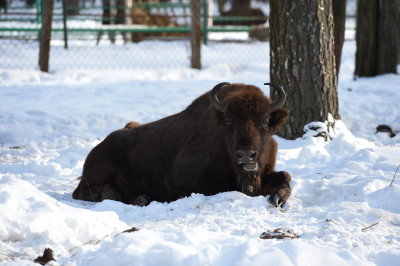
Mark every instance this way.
x=303 y=61
x=120 y=19
x=45 y=35
x=195 y=32
x=3 y=4
x=377 y=38
x=339 y=18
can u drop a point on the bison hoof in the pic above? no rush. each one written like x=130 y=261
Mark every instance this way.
x=276 y=200
x=141 y=201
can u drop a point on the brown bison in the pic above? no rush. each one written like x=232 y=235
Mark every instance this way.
x=242 y=15
x=221 y=142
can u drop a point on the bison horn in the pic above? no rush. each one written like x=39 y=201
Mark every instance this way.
x=281 y=98
x=215 y=102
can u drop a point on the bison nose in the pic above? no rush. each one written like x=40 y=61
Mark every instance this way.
x=246 y=156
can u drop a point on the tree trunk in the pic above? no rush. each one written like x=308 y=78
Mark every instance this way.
x=339 y=18
x=65 y=29
x=303 y=61
x=45 y=35
x=366 y=38
x=195 y=40
x=30 y=2
x=106 y=20
x=376 y=37
x=3 y=4
x=387 y=37
x=398 y=31
x=120 y=12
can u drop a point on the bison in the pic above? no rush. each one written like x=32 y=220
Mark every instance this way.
x=221 y=142
x=250 y=16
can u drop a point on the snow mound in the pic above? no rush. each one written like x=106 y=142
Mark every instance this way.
x=387 y=199
x=33 y=220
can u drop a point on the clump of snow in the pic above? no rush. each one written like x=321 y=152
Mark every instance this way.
x=340 y=182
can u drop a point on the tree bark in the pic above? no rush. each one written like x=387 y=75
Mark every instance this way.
x=45 y=35
x=398 y=31
x=376 y=37
x=120 y=19
x=303 y=61
x=366 y=38
x=387 y=37
x=30 y=2
x=106 y=20
x=339 y=18
x=3 y=4
x=195 y=40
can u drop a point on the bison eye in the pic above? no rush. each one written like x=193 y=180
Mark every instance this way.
x=265 y=124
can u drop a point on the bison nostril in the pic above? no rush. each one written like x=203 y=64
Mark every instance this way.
x=240 y=155
x=252 y=155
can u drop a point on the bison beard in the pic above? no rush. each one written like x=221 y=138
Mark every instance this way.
x=221 y=142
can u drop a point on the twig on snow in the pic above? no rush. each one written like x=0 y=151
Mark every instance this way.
x=394 y=175
x=368 y=227
x=90 y=242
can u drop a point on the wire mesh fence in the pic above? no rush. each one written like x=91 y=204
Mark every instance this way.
x=132 y=34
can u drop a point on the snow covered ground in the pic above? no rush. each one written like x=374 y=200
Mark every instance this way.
x=49 y=123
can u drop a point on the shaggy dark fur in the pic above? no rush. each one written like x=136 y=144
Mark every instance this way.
x=199 y=150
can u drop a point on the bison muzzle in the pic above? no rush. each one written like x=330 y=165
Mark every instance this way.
x=221 y=142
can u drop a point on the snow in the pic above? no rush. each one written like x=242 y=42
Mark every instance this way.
x=49 y=123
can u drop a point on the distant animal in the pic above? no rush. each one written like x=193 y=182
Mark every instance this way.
x=251 y=16
x=221 y=142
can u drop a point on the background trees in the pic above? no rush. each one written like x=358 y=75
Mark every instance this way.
x=339 y=19
x=303 y=61
x=45 y=35
x=305 y=46
x=377 y=37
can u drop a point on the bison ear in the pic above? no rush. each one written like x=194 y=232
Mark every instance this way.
x=277 y=119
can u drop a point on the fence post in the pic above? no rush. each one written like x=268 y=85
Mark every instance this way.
x=195 y=40
x=64 y=7
x=45 y=35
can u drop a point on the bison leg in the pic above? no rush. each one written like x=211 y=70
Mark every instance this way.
x=109 y=192
x=96 y=193
x=277 y=185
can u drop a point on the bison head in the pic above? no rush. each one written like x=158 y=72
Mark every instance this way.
x=247 y=119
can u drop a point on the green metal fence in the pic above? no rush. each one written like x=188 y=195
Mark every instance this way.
x=90 y=34
x=33 y=14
